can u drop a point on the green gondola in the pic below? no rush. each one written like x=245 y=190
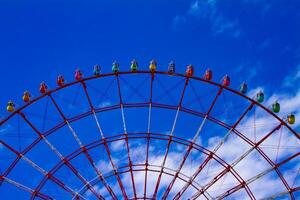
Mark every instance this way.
x=243 y=88
x=276 y=107
x=134 y=65
x=115 y=67
x=260 y=96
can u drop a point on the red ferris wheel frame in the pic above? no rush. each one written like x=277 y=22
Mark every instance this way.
x=131 y=167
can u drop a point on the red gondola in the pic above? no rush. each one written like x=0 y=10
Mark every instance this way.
x=43 y=88
x=60 y=80
x=226 y=81
x=78 y=75
x=208 y=75
x=189 y=71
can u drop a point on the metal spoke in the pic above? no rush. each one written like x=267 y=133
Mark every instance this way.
x=256 y=177
x=105 y=143
x=40 y=169
x=25 y=188
x=275 y=196
x=188 y=150
x=176 y=174
x=59 y=155
x=86 y=153
x=179 y=194
x=148 y=135
x=170 y=138
x=181 y=176
x=241 y=158
x=126 y=135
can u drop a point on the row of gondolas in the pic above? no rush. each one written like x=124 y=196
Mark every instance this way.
x=171 y=70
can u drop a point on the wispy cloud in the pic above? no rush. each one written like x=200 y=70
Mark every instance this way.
x=5 y=128
x=178 y=20
x=293 y=79
x=208 y=10
x=251 y=69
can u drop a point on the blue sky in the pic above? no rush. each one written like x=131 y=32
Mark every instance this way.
x=254 y=41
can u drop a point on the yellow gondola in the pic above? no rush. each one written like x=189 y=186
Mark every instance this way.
x=291 y=119
x=152 y=65
x=10 y=106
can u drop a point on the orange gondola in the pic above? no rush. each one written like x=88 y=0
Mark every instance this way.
x=26 y=96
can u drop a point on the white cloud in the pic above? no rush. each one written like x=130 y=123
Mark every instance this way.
x=6 y=127
x=293 y=79
x=104 y=104
x=118 y=145
x=208 y=10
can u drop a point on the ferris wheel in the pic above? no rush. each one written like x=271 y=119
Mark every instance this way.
x=148 y=134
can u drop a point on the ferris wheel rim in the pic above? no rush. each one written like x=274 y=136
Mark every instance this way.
x=201 y=149
x=158 y=136
x=116 y=107
x=221 y=87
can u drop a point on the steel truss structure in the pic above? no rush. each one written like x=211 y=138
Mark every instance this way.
x=88 y=188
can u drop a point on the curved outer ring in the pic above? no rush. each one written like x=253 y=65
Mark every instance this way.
x=282 y=122
x=148 y=72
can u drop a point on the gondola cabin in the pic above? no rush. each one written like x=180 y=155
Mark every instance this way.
x=208 y=75
x=115 y=67
x=152 y=65
x=171 y=68
x=189 y=71
x=291 y=119
x=226 y=81
x=97 y=70
x=78 y=75
x=276 y=107
x=26 y=96
x=260 y=96
x=134 y=65
x=10 y=106
x=43 y=88
x=60 y=81
x=243 y=88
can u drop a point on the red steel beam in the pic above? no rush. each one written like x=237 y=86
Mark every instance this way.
x=157 y=72
x=126 y=139
x=75 y=154
x=148 y=135
x=170 y=139
x=51 y=177
x=141 y=105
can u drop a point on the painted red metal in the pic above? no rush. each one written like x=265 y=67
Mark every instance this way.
x=148 y=135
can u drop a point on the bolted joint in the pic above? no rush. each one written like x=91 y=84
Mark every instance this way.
x=84 y=149
x=229 y=167
x=49 y=175
x=34 y=193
